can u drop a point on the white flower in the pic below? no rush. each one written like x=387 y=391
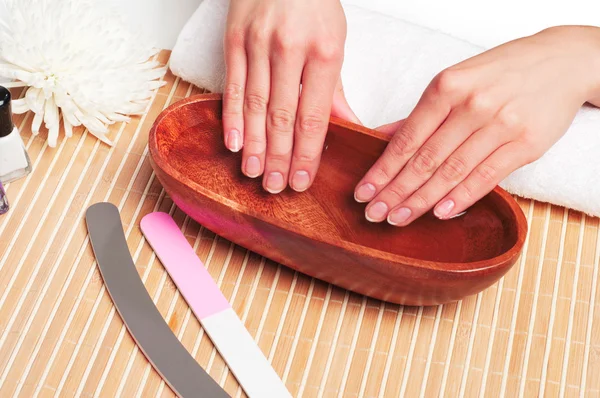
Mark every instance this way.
x=78 y=61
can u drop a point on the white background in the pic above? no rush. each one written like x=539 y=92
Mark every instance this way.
x=483 y=22
x=159 y=20
x=489 y=22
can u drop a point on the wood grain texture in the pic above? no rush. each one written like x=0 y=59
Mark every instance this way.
x=323 y=232
x=536 y=331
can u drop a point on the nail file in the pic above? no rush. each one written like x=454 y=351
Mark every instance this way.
x=141 y=317
x=227 y=332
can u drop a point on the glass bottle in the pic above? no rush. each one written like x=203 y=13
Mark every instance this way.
x=3 y=200
x=14 y=161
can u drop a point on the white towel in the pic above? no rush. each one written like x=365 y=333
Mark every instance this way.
x=388 y=63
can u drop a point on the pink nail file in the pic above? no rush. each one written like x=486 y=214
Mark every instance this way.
x=220 y=322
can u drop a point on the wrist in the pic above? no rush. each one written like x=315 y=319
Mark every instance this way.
x=594 y=95
x=581 y=44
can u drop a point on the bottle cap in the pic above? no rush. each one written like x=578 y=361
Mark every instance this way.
x=6 y=123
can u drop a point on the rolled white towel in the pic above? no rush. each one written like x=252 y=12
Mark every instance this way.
x=388 y=63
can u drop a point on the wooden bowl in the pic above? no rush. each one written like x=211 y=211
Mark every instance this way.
x=323 y=232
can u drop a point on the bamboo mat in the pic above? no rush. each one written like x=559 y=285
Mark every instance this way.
x=536 y=332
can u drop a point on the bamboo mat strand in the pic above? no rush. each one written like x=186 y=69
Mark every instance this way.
x=534 y=333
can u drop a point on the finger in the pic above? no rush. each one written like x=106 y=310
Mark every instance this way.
x=423 y=121
x=483 y=179
x=285 y=86
x=391 y=128
x=340 y=107
x=233 y=95
x=256 y=99
x=450 y=173
x=459 y=125
x=318 y=84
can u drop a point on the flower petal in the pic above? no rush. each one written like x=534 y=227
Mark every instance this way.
x=37 y=123
x=68 y=127
x=20 y=106
x=53 y=136
x=35 y=99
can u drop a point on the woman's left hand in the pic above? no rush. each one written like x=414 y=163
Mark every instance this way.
x=480 y=120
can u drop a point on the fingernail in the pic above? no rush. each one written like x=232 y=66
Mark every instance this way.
x=442 y=210
x=253 y=167
x=300 y=181
x=275 y=182
x=399 y=216
x=364 y=193
x=377 y=212
x=234 y=140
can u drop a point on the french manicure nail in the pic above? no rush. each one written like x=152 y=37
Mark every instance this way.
x=275 y=182
x=253 y=167
x=377 y=212
x=442 y=210
x=364 y=193
x=300 y=181
x=234 y=140
x=399 y=216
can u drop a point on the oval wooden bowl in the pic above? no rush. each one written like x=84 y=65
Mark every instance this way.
x=323 y=232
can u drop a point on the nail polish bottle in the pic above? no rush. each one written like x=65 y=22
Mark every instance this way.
x=3 y=200
x=14 y=161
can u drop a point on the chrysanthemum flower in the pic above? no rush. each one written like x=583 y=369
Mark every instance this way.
x=79 y=63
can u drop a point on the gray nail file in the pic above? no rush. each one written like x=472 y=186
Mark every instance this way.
x=141 y=317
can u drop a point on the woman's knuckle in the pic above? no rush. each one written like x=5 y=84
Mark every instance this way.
x=528 y=140
x=305 y=156
x=487 y=173
x=256 y=103
x=381 y=175
x=235 y=37
x=403 y=143
x=233 y=92
x=468 y=192
x=418 y=201
x=329 y=51
x=254 y=141
x=281 y=119
x=480 y=103
x=446 y=82
x=279 y=155
x=258 y=35
x=398 y=192
x=453 y=169
x=284 y=42
x=424 y=163
x=509 y=119
x=311 y=123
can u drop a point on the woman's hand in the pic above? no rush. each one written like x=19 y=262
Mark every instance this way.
x=271 y=47
x=480 y=120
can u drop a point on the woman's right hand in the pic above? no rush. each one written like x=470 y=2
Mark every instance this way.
x=272 y=47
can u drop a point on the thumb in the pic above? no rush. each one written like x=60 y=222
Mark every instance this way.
x=340 y=107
